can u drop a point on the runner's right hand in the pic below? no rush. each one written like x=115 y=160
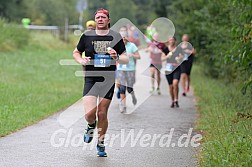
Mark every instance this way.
x=169 y=55
x=85 y=61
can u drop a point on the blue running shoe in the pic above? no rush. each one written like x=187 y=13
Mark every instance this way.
x=101 y=150
x=89 y=134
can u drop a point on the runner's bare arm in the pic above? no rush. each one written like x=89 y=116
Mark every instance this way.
x=122 y=59
x=77 y=56
x=194 y=51
x=164 y=57
x=136 y=55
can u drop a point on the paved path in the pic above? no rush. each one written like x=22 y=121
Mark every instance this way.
x=138 y=138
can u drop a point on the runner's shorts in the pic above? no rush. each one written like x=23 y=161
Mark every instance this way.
x=126 y=78
x=174 y=75
x=186 y=66
x=157 y=66
x=99 y=84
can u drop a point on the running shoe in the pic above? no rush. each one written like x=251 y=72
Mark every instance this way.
x=124 y=110
x=187 y=88
x=89 y=133
x=101 y=150
x=176 y=104
x=158 y=91
x=172 y=105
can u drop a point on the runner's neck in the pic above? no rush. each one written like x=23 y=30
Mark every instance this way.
x=102 y=32
x=171 y=47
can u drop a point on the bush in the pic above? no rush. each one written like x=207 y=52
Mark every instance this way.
x=12 y=36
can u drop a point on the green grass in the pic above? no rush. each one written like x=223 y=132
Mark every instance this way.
x=226 y=122
x=33 y=85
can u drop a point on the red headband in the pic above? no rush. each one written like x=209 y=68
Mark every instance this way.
x=104 y=11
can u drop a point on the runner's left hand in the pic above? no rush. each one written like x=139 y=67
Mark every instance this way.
x=112 y=53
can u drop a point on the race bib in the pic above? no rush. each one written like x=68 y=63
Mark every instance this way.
x=101 y=60
x=125 y=66
x=169 y=67
x=186 y=57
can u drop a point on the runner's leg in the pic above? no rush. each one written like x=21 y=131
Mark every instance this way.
x=102 y=114
x=90 y=115
x=175 y=89
x=152 y=73
x=90 y=108
x=183 y=82
x=158 y=78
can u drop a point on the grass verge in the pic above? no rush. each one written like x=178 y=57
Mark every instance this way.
x=33 y=84
x=226 y=122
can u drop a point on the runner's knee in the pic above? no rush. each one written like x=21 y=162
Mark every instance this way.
x=122 y=89
x=129 y=89
x=175 y=83
x=90 y=116
x=102 y=115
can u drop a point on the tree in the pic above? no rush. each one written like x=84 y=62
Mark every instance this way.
x=222 y=32
x=93 y=5
x=54 y=12
x=160 y=7
x=8 y=10
x=144 y=8
x=122 y=11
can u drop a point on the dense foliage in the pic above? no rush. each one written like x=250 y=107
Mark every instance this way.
x=221 y=30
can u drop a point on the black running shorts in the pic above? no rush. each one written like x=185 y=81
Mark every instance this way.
x=100 y=86
x=157 y=66
x=186 y=66
x=174 y=75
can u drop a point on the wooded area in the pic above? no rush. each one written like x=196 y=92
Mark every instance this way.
x=220 y=30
